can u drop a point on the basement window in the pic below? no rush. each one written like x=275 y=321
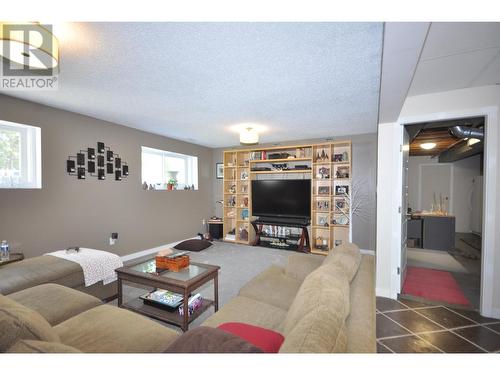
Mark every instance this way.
x=20 y=156
x=160 y=168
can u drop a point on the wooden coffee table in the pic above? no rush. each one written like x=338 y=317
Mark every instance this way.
x=183 y=282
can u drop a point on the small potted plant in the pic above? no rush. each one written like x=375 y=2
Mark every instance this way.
x=171 y=184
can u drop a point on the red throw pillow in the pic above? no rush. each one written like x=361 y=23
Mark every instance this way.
x=265 y=339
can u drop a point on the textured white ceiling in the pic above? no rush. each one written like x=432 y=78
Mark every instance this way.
x=458 y=55
x=192 y=81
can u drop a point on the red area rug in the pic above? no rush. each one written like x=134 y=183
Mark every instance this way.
x=433 y=285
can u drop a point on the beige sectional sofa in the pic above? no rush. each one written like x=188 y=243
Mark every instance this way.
x=52 y=318
x=48 y=269
x=319 y=305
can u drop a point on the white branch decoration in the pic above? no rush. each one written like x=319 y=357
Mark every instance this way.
x=357 y=202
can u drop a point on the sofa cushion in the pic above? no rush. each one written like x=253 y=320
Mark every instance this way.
x=18 y=322
x=39 y=270
x=193 y=245
x=273 y=287
x=360 y=325
x=55 y=303
x=36 y=346
x=315 y=322
x=250 y=311
x=265 y=339
x=347 y=257
x=110 y=329
x=210 y=340
x=299 y=266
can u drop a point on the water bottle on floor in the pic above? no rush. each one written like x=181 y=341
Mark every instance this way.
x=4 y=251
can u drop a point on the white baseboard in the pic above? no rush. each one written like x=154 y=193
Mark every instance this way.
x=367 y=252
x=495 y=313
x=154 y=250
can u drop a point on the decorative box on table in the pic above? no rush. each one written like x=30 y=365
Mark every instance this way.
x=172 y=264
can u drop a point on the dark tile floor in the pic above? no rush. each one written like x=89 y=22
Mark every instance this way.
x=407 y=326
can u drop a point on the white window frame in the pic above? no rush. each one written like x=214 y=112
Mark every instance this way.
x=190 y=167
x=30 y=155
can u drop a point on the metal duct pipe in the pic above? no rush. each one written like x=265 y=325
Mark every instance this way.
x=467 y=132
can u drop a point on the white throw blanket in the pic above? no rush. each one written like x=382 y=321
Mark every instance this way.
x=97 y=265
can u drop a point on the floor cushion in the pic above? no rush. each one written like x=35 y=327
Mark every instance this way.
x=193 y=245
x=211 y=340
x=265 y=339
x=55 y=303
x=18 y=322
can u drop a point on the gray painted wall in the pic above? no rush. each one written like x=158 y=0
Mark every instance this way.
x=71 y=212
x=364 y=175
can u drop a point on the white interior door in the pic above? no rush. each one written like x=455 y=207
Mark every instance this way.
x=405 y=149
x=436 y=184
x=476 y=205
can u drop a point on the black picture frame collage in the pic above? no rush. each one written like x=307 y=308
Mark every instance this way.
x=97 y=162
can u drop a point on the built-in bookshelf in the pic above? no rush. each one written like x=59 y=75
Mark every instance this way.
x=331 y=195
x=328 y=166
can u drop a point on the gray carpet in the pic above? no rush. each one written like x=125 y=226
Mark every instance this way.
x=239 y=264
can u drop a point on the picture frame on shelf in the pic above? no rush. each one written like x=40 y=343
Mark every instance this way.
x=323 y=190
x=219 y=170
x=342 y=172
x=323 y=205
x=340 y=204
x=341 y=190
x=338 y=158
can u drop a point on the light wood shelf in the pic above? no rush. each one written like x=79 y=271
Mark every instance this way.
x=240 y=160
x=279 y=160
x=285 y=171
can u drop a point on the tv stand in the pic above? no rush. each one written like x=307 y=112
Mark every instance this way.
x=277 y=239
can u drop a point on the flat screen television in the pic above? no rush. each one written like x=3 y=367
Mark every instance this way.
x=281 y=198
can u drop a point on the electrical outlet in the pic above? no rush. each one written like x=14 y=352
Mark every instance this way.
x=113 y=238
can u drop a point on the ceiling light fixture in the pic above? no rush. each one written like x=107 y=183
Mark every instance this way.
x=249 y=136
x=29 y=44
x=428 y=146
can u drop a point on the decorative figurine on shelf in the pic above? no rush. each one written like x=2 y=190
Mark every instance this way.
x=151 y=187
x=345 y=156
x=245 y=202
x=232 y=189
x=324 y=156
x=145 y=186
x=244 y=175
x=243 y=234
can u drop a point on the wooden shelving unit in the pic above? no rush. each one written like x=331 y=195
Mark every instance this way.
x=329 y=168
x=236 y=210
x=330 y=200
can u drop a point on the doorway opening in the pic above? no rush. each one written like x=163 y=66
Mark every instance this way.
x=442 y=207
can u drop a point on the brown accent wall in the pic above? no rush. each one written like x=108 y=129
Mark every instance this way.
x=71 y=212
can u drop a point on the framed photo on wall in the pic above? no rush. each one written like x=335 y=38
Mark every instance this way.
x=219 y=170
